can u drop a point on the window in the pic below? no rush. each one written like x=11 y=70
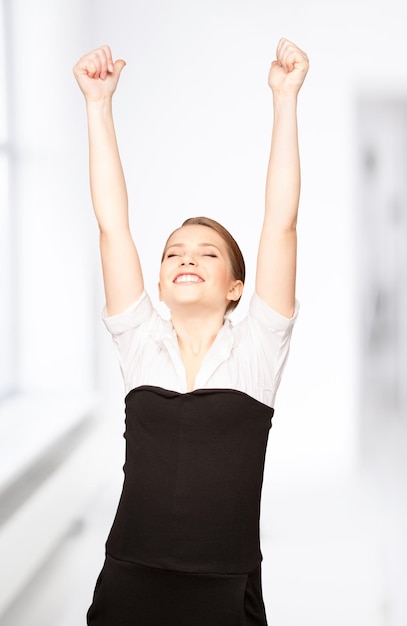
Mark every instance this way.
x=7 y=369
x=383 y=259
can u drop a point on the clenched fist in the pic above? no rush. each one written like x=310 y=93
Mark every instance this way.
x=288 y=71
x=97 y=75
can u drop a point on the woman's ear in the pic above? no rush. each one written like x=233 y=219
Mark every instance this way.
x=235 y=291
x=159 y=292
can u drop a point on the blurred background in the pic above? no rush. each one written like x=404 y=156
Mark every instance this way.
x=193 y=117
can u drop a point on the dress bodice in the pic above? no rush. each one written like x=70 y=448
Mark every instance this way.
x=193 y=478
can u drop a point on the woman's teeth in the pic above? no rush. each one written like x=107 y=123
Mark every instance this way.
x=188 y=278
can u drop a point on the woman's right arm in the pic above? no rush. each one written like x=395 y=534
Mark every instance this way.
x=97 y=77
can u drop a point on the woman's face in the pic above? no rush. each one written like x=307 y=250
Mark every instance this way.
x=196 y=271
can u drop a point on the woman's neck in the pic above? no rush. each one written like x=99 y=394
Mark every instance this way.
x=196 y=333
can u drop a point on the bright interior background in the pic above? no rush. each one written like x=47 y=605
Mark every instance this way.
x=193 y=117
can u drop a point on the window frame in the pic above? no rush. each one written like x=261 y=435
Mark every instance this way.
x=8 y=247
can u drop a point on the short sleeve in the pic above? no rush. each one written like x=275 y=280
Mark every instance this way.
x=266 y=345
x=129 y=331
x=269 y=318
x=137 y=313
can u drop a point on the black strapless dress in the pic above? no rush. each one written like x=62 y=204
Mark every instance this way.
x=184 y=548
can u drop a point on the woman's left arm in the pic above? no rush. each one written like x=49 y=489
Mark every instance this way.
x=277 y=255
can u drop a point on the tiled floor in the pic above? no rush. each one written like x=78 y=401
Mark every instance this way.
x=322 y=560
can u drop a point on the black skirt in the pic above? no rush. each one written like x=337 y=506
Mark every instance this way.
x=127 y=594
x=184 y=548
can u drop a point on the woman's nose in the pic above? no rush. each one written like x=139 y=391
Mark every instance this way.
x=187 y=260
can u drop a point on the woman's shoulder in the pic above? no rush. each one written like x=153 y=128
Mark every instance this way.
x=138 y=313
x=261 y=315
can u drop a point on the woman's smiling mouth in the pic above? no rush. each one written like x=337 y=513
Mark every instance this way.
x=188 y=278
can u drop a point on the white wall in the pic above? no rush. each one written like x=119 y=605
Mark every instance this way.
x=56 y=251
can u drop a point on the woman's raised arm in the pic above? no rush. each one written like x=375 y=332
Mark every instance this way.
x=276 y=263
x=97 y=77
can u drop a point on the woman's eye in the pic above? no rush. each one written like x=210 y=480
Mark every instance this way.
x=169 y=256
x=214 y=256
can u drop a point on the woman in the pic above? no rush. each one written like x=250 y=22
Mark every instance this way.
x=184 y=547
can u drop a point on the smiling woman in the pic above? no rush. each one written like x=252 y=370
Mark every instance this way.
x=184 y=547
x=235 y=255
x=198 y=255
